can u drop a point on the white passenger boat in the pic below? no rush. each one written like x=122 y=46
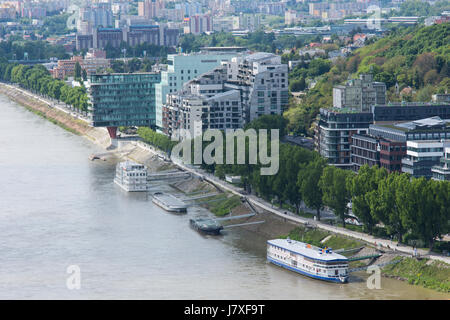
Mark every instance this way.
x=169 y=202
x=131 y=176
x=308 y=260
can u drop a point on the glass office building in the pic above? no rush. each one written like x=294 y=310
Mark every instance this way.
x=122 y=99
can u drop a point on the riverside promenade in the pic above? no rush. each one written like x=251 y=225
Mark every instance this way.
x=381 y=243
x=52 y=103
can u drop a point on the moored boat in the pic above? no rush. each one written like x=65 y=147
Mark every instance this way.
x=308 y=260
x=169 y=202
x=131 y=176
x=206 y=225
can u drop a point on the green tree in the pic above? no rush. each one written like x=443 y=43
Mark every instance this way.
x=360 y=186
x=333 y=183
x=77 y=70
x=308 y=184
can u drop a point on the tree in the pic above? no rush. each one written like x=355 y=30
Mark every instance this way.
x=77 y=70
x=308 y=184
x=297 y=85
x=389 y=211
x=335 y=193
x=424 y=210
x=360 y=186
x=84 y=74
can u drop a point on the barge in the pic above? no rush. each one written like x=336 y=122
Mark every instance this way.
x=308 y=260
x=169 y=202
x=206 y=225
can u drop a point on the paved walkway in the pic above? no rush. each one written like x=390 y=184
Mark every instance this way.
x=50 y=102
x=382 y=243
x=387 y=244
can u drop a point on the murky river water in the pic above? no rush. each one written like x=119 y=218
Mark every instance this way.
x=58 y=209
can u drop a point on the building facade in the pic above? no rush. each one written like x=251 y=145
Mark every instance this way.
x=107 y=36
x=122 y=100
x=359 y=94
x=181 y=69
x=263 y=82
x=333 y=134
x=391 y=155
x=203 y=104
x=364 y=150
x=422 y=156
x=441 y=172
x=410 y=111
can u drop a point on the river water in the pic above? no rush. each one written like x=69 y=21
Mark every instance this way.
x=58 y=209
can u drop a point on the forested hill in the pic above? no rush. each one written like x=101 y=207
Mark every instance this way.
x=416 y=57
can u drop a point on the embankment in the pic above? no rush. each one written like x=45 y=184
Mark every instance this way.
x=58 y=117
x=425 y=273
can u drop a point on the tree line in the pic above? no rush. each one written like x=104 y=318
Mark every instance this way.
x=38 y=80
x=395 y=205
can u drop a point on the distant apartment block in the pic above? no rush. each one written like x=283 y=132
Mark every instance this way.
x=133 y=35
x=359 y=94
x=67 y=67
x=198 y=24
x=136 y=35
x=104 y=37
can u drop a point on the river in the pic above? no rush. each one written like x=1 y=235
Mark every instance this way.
x=59 y=209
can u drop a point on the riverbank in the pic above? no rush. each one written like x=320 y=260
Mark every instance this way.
x=56 y=116
x=276 y=224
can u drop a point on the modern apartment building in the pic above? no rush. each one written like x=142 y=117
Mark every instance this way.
x=433 y=128
x=359 y=94
x=441 y=171
x=202 y=104
x=422 y=156
x=122 y=99
x=395 y=136
x=181 y=69
x=364 y=150
x=409 y=111
x=334 y=131
x=263 y=82
x=235 y=92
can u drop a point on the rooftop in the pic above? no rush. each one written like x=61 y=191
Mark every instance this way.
x=306 y=250
x=427 y=123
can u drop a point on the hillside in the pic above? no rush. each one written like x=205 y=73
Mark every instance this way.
x=416 y=57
